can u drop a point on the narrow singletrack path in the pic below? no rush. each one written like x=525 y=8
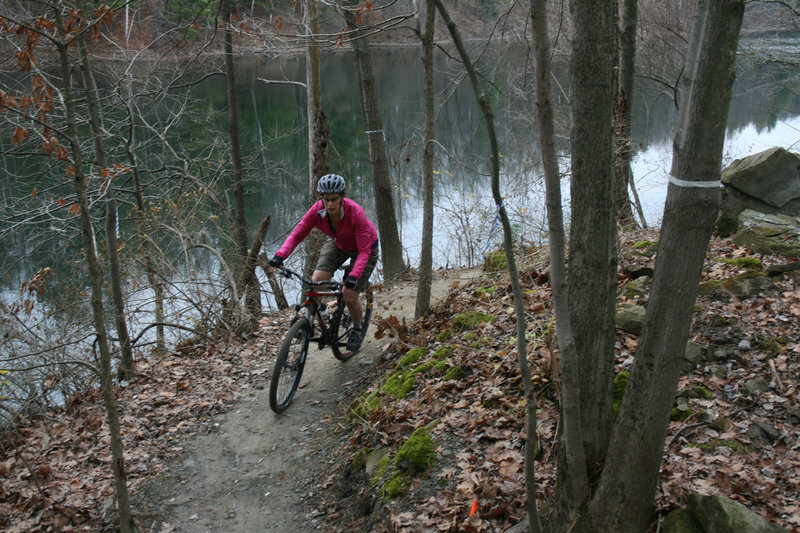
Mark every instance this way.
x=257 y=471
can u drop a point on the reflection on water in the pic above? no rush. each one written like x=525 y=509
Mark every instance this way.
x=651 y=167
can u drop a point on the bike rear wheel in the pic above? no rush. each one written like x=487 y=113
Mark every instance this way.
x=339 y=346
x=289 y=366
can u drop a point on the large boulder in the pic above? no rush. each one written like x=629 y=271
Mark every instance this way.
x=716 y=514
x=769 y=233
x=768 y=182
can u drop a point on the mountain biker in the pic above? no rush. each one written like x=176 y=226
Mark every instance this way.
x=352 y=235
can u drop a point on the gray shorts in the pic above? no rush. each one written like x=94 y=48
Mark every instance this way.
x=331 y=258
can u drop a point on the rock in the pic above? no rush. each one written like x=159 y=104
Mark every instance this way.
x=681 y=521
x=373 y=460
x=769 y=233
x=722 y=515
x=694 y=352
x=636 y=287
x=693 y=355
x=768 y=182
x=630 y=318
x=765 y=431
x=756 y=386
x=720 y=371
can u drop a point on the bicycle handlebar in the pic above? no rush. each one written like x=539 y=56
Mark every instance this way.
x=288 y=273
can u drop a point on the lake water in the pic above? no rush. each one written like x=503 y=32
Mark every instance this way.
x=765 y=112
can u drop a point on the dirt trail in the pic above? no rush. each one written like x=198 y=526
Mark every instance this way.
x=256 y=472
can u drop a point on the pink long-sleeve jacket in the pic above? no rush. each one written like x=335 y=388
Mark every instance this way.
x=354 y=232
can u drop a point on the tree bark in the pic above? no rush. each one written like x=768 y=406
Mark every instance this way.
x=96 y=276
x=318 y=129
x=426 y=252
x=624 y=499
x=252 y=294
x=128 y=366
x=391 y=247
x=574 y=478
x=624 y=105
x=593 y=257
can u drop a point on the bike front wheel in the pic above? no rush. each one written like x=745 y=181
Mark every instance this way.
x=289 y=366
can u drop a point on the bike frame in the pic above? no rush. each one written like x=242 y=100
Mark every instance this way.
x=325 y=337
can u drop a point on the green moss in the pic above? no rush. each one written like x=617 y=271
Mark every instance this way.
x=744 y=262
x=454 y=374
x=471 y=320
x=643 y=244
x=678 y=414
x=399 y=384
x=620 y=381
x=359 y=460
x=495 y=261
x=442 y=353
x=444 y=335
x=380 y=471
x=769 y=344
x=713 y=444
x=469 y=336
x=717 y=424
x=411 y=357
x=363 y=406
x=418 y=451
x=710 y=287
x=488 y=291
x=397 y=486
x=702 y=392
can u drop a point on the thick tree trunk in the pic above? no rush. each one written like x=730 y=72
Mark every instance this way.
x=426 y=252
x=391 y=247
x=624 y=499
x=592 y=258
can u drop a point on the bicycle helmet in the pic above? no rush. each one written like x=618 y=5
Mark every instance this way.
x=330 y=184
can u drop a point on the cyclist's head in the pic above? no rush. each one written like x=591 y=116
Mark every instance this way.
x=331 y=184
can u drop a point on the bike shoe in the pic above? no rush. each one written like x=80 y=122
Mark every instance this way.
x=354 y=340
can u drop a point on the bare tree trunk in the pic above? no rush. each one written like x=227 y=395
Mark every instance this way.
x=519 y=304
x=592 y=258
x=624 y=106
x=318 y=129
x=140 y=216
x=96 y=275
x=248 y=277
x=574 y=480
x=624 y=499
x=426 y=252
x=252 y=294
x=391 y=247
x=128 y=366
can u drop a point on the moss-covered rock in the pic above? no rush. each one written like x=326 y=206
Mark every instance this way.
x=417 y=453
x=744 y=262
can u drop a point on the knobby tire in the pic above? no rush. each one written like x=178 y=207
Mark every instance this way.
x=289 y=366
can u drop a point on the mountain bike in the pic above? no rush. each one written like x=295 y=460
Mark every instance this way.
x=322 y=318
